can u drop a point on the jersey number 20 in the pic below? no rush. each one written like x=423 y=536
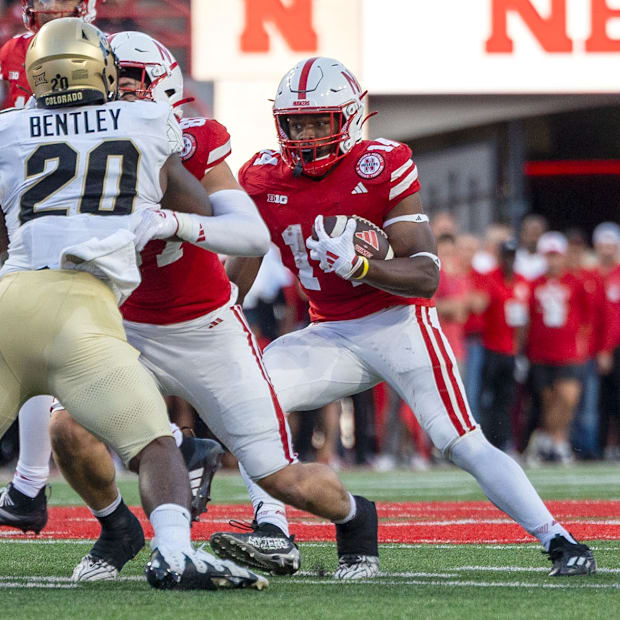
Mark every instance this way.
x=94 y=182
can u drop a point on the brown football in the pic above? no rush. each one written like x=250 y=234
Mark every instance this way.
x=370 y=240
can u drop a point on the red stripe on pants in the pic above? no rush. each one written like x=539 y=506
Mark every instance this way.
x=284 y=436
x=439 y=380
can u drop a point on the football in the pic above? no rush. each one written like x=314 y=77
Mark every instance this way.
x=370 y=240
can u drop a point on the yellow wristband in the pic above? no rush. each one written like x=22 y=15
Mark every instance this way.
x=364 y=269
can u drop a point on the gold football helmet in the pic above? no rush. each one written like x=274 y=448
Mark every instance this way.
x=70 y=63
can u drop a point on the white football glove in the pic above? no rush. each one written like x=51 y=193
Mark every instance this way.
x=335 y=254
x=155 y=224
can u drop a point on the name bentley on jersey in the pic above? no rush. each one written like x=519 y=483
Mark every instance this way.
x=374 y=177
x=115 y=174
x=72 y=123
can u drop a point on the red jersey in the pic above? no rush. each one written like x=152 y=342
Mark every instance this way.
x=373 y=178
x=181 y=281
x=453 y=287
x=507 y=309
x=612 y=293
x=595 y=329
x=558 y=309
x=12 y=59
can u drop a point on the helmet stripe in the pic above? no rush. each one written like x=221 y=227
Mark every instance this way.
x=303 y=80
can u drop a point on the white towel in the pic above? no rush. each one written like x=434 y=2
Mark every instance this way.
x=112 y=259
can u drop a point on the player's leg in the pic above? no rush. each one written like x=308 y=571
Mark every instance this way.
x=97 y=376
x=86 y=464
x=558 y=415
x=23 y=502
x=225 y=380
x=433 y=389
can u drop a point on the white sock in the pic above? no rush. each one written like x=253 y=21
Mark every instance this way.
x=33 y=466
x=108 y=510
x=171 y=523
x=352 y=512
x=177 y=434
x=272 y=510
x=506 y=485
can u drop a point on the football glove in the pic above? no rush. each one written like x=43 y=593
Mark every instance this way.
x=335 y=254
x=155 y=224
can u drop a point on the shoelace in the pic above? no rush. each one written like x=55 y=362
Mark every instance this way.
x=5 y=499
x=244 y=525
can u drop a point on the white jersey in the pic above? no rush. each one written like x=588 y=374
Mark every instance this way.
x=80 y=162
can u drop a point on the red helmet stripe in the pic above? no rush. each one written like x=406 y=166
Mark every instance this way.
x=303 y=80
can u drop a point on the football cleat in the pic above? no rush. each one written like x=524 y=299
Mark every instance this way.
x=570 y=558
x=266 y=548
x=202 y=458
x=195 y=569
x=357 y=567
x=22 y=512
x=119 y=542
x=91 y=568
x=357 y=541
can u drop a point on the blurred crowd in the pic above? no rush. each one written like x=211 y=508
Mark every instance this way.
x=534 y=323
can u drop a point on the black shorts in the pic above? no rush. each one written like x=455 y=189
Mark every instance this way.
x=544 y=375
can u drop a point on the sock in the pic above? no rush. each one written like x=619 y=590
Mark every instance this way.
x=177 y=434
x=506 y=485
x=108 y=510
x=352 y=512
x=171 y=523
x=35 y=450
x=271 y=511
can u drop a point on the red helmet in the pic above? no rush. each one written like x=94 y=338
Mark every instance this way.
x=319 y=86
x=32 y=9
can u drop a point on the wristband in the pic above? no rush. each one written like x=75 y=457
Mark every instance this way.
x=365 y=268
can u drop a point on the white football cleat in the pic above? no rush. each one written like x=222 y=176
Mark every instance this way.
x=357 y=567
x=93 y=569
x=195 y=569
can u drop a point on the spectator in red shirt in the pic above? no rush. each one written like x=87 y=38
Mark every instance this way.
x=451 y=297
x=558 y=308
x=606 y=239
x=504 y=297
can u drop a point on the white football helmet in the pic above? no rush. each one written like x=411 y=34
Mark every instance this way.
x=52 y=9
x=319 y=86
x=144 y=58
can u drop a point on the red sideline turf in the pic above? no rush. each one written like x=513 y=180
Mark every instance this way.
x=406 y=522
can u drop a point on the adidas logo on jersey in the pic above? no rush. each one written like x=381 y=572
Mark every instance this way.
x=360 y=189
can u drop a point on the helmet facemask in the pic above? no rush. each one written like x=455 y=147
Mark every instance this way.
x=316 y=156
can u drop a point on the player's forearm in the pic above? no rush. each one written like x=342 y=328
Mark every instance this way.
x=407 y=277
x=235 y=229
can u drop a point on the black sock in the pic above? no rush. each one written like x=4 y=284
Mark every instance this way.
x=359 y=536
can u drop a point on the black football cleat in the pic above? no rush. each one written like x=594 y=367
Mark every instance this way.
x=28 y=514
x=121 y=539
x=203 y=458
x=570 y=558
x=195 y=569
x=266 y=547
x=357 y=540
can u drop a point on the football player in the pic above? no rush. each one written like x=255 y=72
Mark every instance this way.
x=73 y=228
x=373 y=320
x=32 y=471
x=35 y=13
x=195 y=340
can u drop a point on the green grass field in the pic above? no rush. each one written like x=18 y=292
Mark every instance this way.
x=417 y=580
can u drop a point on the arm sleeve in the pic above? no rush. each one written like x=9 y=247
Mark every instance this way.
x=235 y=228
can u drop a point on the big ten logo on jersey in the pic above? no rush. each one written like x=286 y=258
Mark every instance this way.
x=278 y=199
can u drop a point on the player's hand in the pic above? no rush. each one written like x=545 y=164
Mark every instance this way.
x=155 y=224
x=335 y=254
